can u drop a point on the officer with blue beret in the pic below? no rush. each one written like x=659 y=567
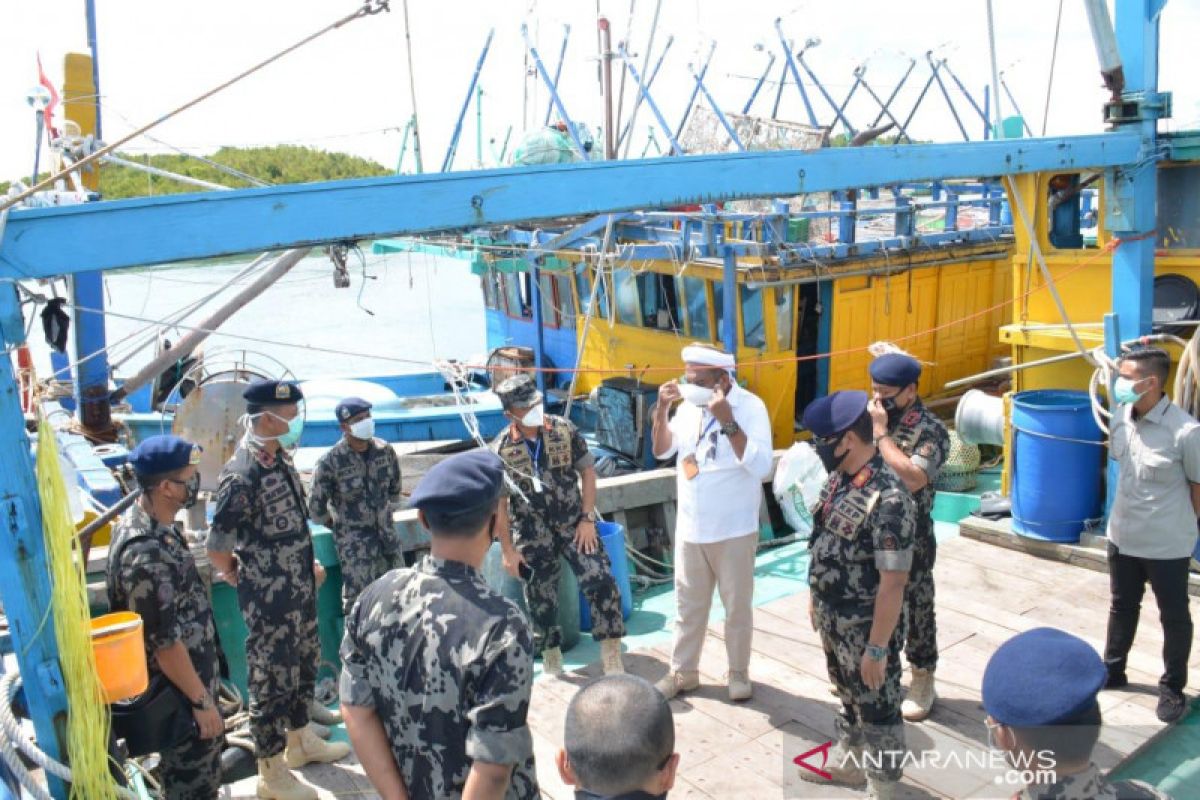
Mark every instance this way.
x=260 y=542
x=355 y=489
x=915 y=444
x=151 y=571
x=1039 y=691
x=861 y=548
x=467 y=686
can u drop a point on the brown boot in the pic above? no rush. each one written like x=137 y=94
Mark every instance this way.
x=305 y=747
x=610 y=657
x=276 y=781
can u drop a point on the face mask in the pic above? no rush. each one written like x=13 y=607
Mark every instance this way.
x=826 y=453
x=533 y=417
x=289 y=439
x=363 y=429
x=696 y=395
x=894 y=412
x=191 y=489
x=1123 y=391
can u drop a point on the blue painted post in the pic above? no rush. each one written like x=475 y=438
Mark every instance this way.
x=535 y=298
x=24 y=574
x=687 y=110
x=730 y=299
x=848 y=219
x=837 y=110
x=791 y=65
x=758 y=85
x=554 y=96
x=951 y=223
x=91 y=363
x=39 y=117
x=675 y=148
x=987 y=106
x=982 y=114
x=905 y=219
x=562 y=55
x=824 y=334
x=717 y=110
x=858 y=73
x=916 y=105
x=783 y=75
x=450 y=151
x=95 y=48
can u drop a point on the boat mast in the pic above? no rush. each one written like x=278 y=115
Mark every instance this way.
x=606 y=55
x=412 y=92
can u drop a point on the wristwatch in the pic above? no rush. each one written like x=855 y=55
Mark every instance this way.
x=592 y=516
x=875 y=652
x=730 y=428
x=203 y=704
x=876 y=440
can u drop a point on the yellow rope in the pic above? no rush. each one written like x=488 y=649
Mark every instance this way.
x=88 y=715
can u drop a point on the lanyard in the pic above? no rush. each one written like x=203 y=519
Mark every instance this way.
x=706 y=428
x=535 y=453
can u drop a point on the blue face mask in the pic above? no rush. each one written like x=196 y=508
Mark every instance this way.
x=295 y=428
x=1123 y=391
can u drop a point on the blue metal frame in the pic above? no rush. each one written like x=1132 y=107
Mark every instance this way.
x=687 y=110
x=837 y=110
x=791 y=65
x=946 y=94
x=550 y=87
x=626 y=131
x=912 y=64
x=644 y=93
x=562 y=56
x=45 y=242
x=453 y=148
x=717 y=110
x=759 y=84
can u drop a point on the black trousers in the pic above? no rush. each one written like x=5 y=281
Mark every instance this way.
x=1168 y=579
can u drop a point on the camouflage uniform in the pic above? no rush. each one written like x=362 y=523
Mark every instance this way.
x=922 y=437
x=152 y=572
x=863 y=524
x=442 y=658
x=354 y=494
x=1091 y=785
x=260 y=516
x=543 y=527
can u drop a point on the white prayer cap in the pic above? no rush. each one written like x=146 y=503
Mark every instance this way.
x=703 y=355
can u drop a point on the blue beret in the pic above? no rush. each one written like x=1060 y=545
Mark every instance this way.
x=351 y=407
x=895 y=369
x=159 y=454
x=1040 y=677
x=834 y=413
x=273 y=393
x=461 y=483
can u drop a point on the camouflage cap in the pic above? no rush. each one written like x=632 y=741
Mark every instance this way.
x=519 y=391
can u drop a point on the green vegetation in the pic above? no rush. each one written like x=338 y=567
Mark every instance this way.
x=280 y=164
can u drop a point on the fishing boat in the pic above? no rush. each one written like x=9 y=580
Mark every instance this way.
x=1011 y=264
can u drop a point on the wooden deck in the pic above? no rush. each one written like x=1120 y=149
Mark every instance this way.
x=985 y=595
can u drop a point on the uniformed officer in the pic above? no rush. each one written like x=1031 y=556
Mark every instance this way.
x=914 y=443
x=437 y=667
x=548 y=460
x=862 y=550
x=260 y=542
x=355 y=489
x=1039 y=691
x=152 y=572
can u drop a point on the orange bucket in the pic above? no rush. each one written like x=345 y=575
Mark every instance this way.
x=117 y=641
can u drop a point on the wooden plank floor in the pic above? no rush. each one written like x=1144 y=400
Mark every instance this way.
x=985 y=595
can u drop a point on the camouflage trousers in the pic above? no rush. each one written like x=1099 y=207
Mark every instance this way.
x=870 y=718
x=361 y=566
x=541 y=553
x=191 y=771
x=919 y=619
x=281 y=658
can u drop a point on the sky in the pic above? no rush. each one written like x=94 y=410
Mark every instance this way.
x=349 y=90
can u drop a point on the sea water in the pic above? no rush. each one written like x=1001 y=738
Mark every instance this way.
x=407 y=311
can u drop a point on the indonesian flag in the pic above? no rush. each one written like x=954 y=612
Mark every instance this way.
x=44 y=81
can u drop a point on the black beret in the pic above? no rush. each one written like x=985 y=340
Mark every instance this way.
x=461 y=483
x=834 y=413
x=273 y=393
x=895 y=369
x=158 y=454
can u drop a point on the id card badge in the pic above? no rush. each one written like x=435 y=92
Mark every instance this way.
x=690 y=468
x=537 y=484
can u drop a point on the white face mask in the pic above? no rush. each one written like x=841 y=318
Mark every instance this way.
x=696 y=395
x=533 y=417
x=363 y=429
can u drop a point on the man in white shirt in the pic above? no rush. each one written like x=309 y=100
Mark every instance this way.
x=722 y=437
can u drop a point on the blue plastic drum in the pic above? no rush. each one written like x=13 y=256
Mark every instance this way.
x=612 y=536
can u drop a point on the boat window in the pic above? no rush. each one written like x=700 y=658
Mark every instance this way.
x=511 y=282
x=625 y=291
x=584 y=285
x=718 y=293
x=549 y=308
x=492 y=296
x=785 y=309
x=566 y=300
x=754 y=331
x=695 y=297
x=660 y=302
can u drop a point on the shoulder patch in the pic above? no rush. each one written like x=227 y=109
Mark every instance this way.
x=926 y=450
x=911 y=418
x=860 y=479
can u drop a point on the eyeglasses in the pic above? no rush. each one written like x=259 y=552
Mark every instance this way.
x=710 y=452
